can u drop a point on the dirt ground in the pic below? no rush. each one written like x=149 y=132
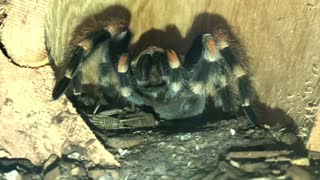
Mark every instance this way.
x=213 y=150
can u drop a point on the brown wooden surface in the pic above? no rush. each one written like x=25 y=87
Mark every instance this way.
x=281 y=36
x=314 y=140
x=33 y=126
x=22 y=34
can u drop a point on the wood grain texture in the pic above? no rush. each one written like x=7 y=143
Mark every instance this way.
x=23 y=35
x=313 y=144
x=281 y=37
x=33 y=126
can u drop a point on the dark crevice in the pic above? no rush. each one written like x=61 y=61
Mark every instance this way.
x=5 y=53
x=4 y=50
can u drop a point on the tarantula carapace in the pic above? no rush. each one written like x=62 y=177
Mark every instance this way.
x=175 y=86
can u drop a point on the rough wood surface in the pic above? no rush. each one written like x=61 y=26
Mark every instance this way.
x=33 y=126
x=281 y=36
x=23 y=35
x=314 y=140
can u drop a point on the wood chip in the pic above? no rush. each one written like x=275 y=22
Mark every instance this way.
x=231 y=171
x=256 y=154
x=301 y=162
x=124 y=142
x=278 y=159
x=298 y=173
x=255 y=167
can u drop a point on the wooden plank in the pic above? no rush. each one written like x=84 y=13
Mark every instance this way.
x=23 y=35
x=313 y=144
x=33 y=126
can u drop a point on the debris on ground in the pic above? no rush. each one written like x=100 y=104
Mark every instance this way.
x=207 y=152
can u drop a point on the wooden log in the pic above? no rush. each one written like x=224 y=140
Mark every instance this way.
x=33 y=126
x=313 y=144
x=23 y=34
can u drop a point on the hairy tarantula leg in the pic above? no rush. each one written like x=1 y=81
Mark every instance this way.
x=125 y=81
x=210 y=75
x=243 y=82
x=123 y=67
x=176 y=79
x=80 y=54
x=77 y=86
x=245 y=93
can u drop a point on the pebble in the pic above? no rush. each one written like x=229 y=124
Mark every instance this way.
x=96 y=173
x=301 y=162
x=12 y=175
x=232 y=132
x=4 y=154
x=124 y=142
x=289 y=138
x=53 y=174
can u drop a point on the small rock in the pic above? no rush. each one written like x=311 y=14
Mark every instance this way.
x=266 y=126
x=232 y=132
x=298 y=173
x=289 y=138
x=75 y=152
x=53 y=174
x=106 y=177
x=276 y=171
x=185 y=137
x=96 y=173
x=75 y=171
x=255 y=167
x=234 y=163
x=114 y=174
x=122 y=152
x=124 y=142
x=166 y=177
x=12 y=175
x=32 y=177
x=75 y=156
x=4 y=154
x=191 y=165
x=301 y=162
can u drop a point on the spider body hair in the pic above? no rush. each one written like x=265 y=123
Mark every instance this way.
x=214 y=68
x=84 y=43
x=88 y=47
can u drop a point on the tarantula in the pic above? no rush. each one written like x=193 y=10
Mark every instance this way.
x=98 y=69
x=175 y=87
x=178 y=87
